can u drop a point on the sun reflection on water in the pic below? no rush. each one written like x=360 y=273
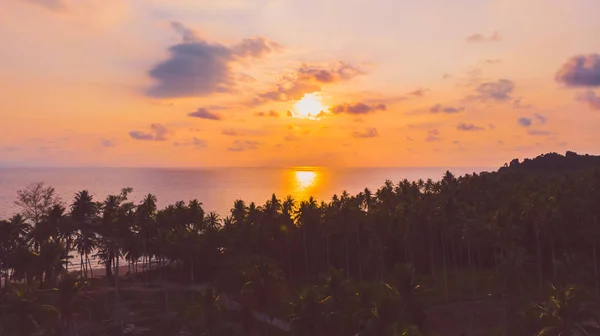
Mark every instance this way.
x=304 y=183
x=305 y=179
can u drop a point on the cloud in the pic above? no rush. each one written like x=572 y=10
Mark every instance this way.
x=357 y=108
x=493 y=61
x=240 y=146
x=194 y=142
x=469 y=127
x=271 y=113
x=580 y=71
x=55 y=5
x=517 y=104
x=204 y=114
x=108 y=143
x=418 y=92
x=540 y=118
x=241 y=132
x=256 y=47
x=433 y=135
x=499 y=90
x=157 y=132
x=525 y=122
x=445 y=109
x=539 y=132
x=306 y=79
x=590 y=98
x=198 y=68
x=478 y=38
x=369 y=133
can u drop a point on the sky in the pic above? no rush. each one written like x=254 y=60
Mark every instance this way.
x=278 y=83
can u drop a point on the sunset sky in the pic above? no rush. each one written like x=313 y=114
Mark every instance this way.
x=296 y=83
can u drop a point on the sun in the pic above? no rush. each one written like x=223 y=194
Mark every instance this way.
x=309 y=106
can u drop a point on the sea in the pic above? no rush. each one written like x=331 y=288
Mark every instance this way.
x=215 y=188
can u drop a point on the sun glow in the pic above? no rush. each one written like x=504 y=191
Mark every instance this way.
x=309 y=106
x=305 y=179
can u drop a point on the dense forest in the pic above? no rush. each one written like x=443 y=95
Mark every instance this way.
x=513 y=252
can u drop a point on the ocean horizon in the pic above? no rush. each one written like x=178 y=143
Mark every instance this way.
x=215 y=188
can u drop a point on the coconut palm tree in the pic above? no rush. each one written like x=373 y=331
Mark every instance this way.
x=24 y=313
x=567 y=313
x=69 y=301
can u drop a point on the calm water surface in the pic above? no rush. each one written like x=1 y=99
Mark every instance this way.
x=217 y=189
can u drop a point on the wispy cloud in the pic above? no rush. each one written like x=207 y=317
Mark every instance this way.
x=539 y=132
x=306 y=79
x=108 y=143
x=478 y=38
x=243 y=145
x=157 y=132
x=369 y=133
x=55 y=5
x=517 y=104
x=242 y=132
x=195 y=142
x=499 y=90
x=525 y=122
x=469 y=127
x=204 y=114
x=589 y=97
x=357 y=108
x=438 y=108
x=271 y=113
x=433 y=135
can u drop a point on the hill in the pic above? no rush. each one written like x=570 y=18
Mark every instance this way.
x=553 y=163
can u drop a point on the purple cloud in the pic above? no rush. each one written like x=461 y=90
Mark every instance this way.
x=589 y=97
x=358 y=108
x=469 y=127
x=525 y=122
x=204 y=114
x=445 y=109
x=433 y=135
x=580 y=71
x=240 y=146
x=157 y=132
x=499 y=90
x=369 y=133
x=198 y=68
x=478 y=38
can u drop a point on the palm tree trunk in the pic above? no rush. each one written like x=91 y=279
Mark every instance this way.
x=431 y=251
x=327 y=250
x=444 y=252
x=347 y=257
x=289 y=256
x=595 y=269
x=539 y=258
x=89 y=265
x=359 y=254
x=81 y=264
x=305 y=252
x=553 y=258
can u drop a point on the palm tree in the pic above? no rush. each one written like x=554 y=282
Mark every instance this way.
x=566 y=313
x=24 y=313
x=308 y=317
x=13 y=233
x=69 y=301
x=84 y=212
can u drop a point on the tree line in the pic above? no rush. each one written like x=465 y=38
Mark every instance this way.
x=349 y=265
